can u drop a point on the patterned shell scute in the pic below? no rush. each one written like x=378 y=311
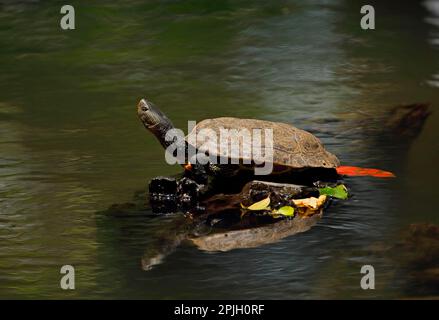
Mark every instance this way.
x=292 y=147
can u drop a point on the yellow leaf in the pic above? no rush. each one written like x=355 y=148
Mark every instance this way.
x=260 y=205
x=286 y=211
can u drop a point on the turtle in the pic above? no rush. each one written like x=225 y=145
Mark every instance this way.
x=294 y=149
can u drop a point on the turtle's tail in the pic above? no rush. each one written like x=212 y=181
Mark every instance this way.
x=357 y=171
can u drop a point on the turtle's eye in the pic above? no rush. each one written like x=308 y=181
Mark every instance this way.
x=143 y=105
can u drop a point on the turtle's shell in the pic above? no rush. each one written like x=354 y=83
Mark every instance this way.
x=292 y=147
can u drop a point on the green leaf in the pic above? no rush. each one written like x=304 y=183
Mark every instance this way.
x=339 y=192
x=286 y=211
x=260 y=205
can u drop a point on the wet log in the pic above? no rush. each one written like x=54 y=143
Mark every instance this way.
x=280 y=194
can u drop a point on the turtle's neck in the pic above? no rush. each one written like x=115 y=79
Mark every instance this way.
x=180 y=146
x=160 y=130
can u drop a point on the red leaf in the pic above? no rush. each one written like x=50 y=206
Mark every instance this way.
x=357 y=171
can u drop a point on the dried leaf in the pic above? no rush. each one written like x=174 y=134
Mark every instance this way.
x=312 y=202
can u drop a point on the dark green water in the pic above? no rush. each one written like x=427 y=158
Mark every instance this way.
x=71 y=144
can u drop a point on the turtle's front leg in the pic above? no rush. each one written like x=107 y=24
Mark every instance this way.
x=196 y=172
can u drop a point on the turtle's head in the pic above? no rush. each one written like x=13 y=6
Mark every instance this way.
x=149 y=114
x=154 y=120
